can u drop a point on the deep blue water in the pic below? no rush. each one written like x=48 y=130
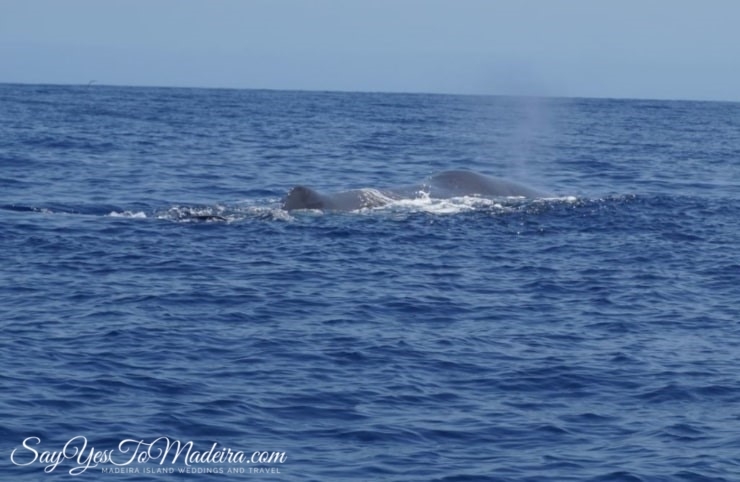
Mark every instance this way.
x=590 y=336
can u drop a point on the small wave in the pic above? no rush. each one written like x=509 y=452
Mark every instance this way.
x=61 y=208
x=24 y=209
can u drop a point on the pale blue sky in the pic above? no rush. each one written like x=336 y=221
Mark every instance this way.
x=666 y=49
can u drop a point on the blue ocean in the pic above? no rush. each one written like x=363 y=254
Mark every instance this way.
x=163 y=318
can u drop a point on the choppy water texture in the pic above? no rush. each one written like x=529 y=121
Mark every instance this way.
x=589 y=336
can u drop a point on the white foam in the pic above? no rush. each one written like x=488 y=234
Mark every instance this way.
x=274 y=213
x=448 y=206
x=562 y=199
x=128 y=214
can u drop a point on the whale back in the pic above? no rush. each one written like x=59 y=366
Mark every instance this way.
x=466 y=183
x=301 y=197
x=443 y=185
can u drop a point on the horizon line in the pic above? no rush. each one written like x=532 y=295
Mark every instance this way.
x=98 y=84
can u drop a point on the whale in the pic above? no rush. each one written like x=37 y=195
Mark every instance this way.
x=443 y=185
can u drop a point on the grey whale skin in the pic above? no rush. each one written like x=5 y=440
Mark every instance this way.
x=443 y=185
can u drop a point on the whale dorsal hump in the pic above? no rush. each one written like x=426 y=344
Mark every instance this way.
x=301 y=197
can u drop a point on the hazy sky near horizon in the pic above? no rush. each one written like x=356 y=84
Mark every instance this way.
x=664 y=49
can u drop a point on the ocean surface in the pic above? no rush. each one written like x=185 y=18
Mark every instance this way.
x=152 y=290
